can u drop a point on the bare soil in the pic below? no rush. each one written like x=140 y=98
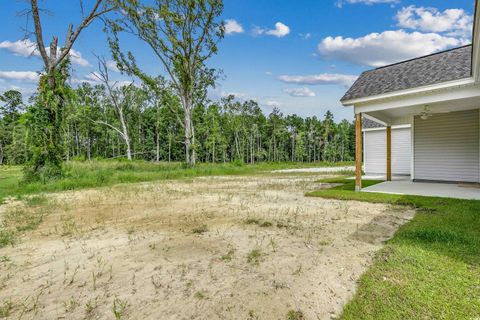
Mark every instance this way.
x=210 y=248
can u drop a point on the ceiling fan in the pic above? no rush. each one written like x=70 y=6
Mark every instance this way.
x=426 y=113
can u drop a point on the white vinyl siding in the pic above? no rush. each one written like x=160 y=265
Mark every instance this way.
x=376 y=151
x=446 y=147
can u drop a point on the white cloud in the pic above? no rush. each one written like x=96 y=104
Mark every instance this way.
x=27 y=76
x=300 y=92
x=305 y=36
x=76 y=58
x=24 y=48
x=379 y=49
x=94 y=76
x=25 y=91
x=453 y=21
x=27 y=48
x=320 y=79
x=280 y=31
x=340 y=3
x=270 y=103
x=232 y=26
x=112 y=66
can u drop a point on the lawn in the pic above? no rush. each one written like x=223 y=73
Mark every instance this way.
x=90 y=174
x=430 y=269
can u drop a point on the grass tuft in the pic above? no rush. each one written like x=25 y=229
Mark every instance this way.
x=200 y=229
x=295 y=315
x=254 y=257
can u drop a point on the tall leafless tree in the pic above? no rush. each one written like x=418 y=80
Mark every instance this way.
x=54 y=56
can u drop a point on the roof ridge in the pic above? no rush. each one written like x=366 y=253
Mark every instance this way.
x=418 y=58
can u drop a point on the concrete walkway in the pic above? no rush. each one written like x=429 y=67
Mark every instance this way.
x=471 y=192
x=318 y=170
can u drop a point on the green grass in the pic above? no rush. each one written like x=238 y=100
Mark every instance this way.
x=91 y=174
x=430 y=269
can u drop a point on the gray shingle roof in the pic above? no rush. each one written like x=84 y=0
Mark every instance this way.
x=440 y=67
x=370 y=124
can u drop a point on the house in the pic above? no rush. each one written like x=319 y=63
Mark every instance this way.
x=438 y=98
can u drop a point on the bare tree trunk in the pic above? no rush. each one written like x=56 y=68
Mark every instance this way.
x=125 y=136
x=1 y=153
x=189 y=131
x=89 y=147
x=213 y=153
x=158 y=147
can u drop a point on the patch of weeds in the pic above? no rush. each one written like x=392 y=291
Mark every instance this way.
x=295 y=315
x=119 y=308
x=254 y=257
x=200 y=295
x=70 y=305
x=36 y=200
x=7 y=237
x=266 y=224
x=200 y=229
x=228 y=256
x=4 y=259
x=5 y=309
x=252 y=315
x=24 y=220
x=69 y=226
x=324 y=242
x=91 y=306
x=189 y=284
x=252 y=221
x=258 y=222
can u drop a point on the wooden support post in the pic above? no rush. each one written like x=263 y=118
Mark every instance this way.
x=358 y=152
x=389 y=153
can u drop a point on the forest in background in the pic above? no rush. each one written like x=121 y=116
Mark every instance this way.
x=163 y=117
x=227 y=130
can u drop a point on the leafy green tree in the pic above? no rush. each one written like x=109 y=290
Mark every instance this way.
x=47 y=159
x=183 y=34
x=10 y=113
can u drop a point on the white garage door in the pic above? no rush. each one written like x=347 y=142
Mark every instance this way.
x=375 y=151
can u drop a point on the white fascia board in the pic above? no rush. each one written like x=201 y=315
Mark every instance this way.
x=415 y=91
x=456 y=93
x=382 y=121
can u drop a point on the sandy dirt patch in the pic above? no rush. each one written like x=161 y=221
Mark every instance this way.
x=210 y=248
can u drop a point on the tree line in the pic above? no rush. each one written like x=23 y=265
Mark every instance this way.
x=133 y=122
x=168 y=116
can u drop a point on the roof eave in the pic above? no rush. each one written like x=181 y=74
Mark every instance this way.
x=407 y=92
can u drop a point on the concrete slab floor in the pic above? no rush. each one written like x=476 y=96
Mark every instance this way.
x=428 y=189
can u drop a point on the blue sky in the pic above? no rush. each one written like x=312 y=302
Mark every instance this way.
x=298 y=55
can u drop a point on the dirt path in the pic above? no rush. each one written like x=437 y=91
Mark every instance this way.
x=210 y=248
